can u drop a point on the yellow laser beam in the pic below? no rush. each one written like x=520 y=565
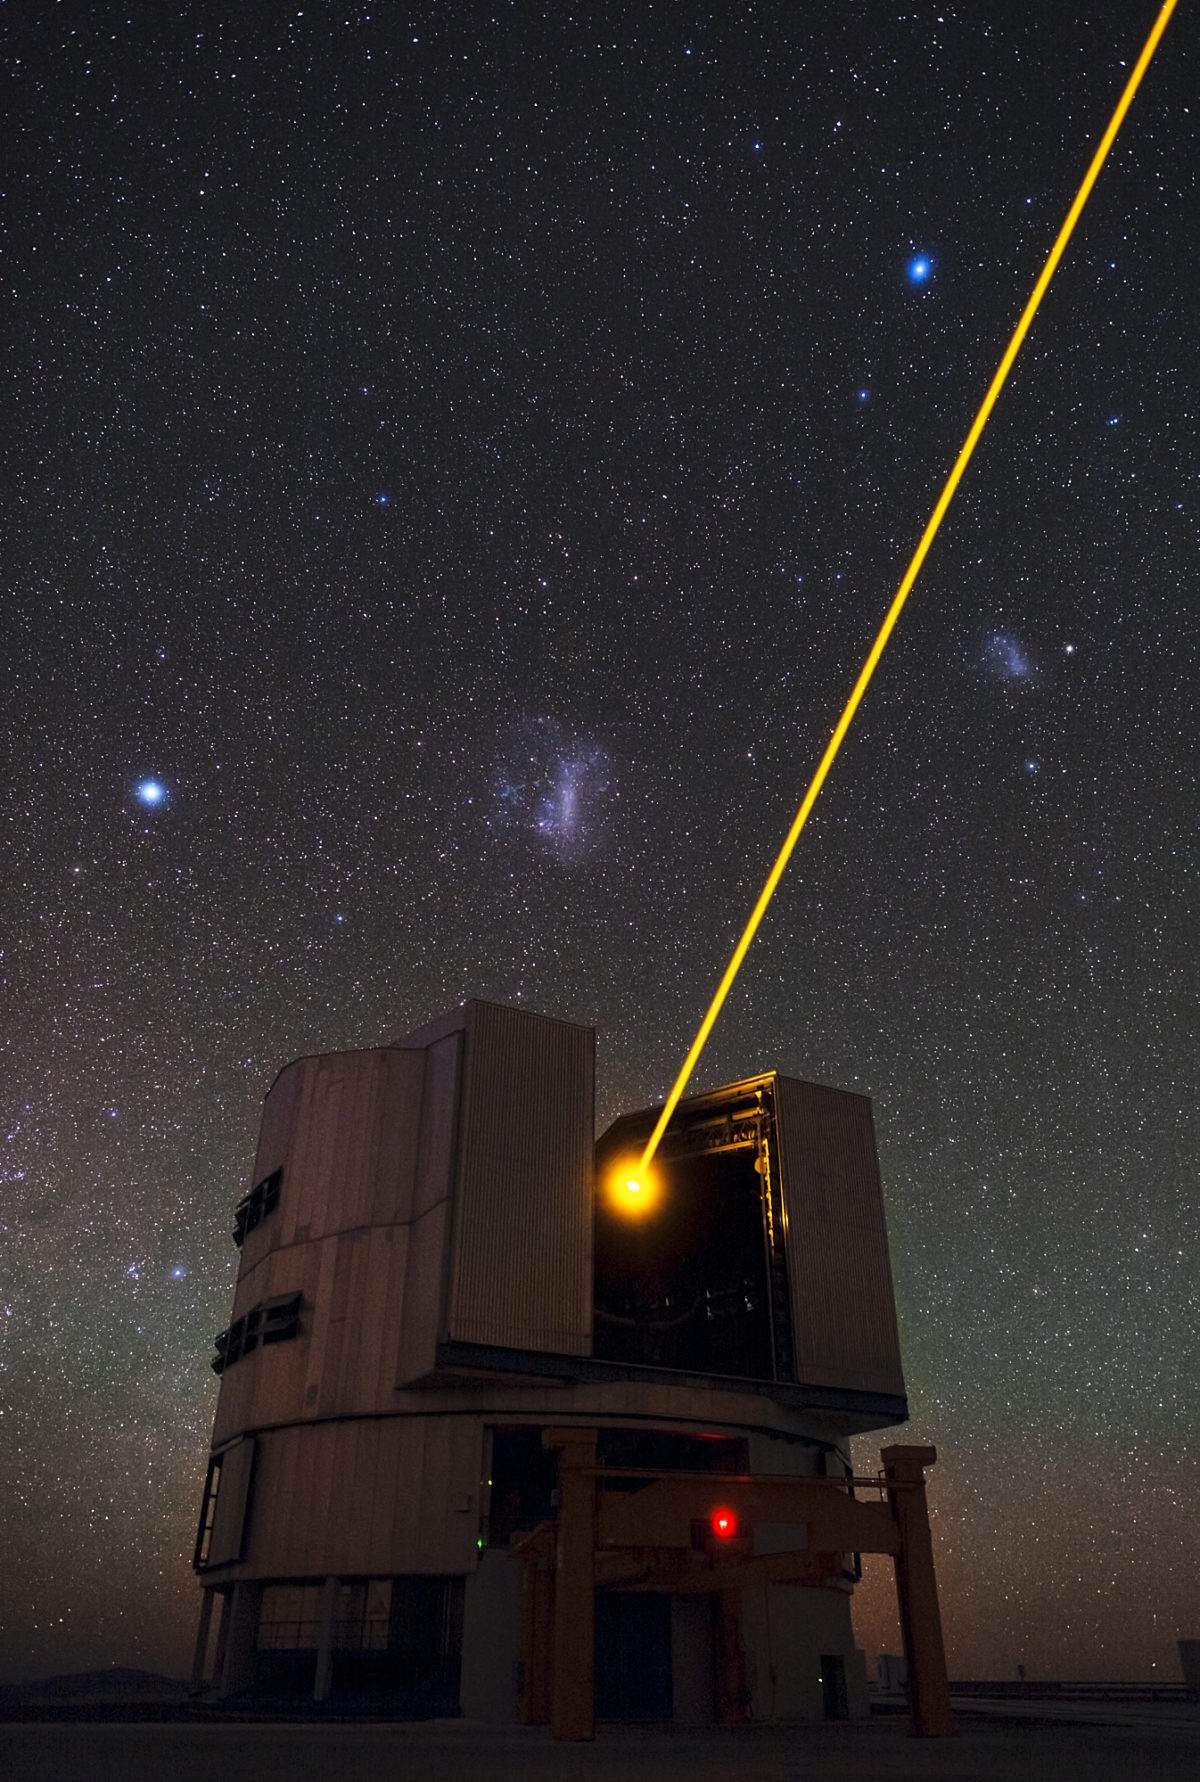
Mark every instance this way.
x=910 y=576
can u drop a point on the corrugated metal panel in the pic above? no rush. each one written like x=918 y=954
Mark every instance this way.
x=420 y=1319
x=399 y=1129
x=363 y=1392
x=355 y=1119
x=317 y=1361
x=392 y=1316
x=521 y=1272
x=366 y=1498
x=843 y=1308
x=310 y=1150
x=439 y=1113
x=288 y=1486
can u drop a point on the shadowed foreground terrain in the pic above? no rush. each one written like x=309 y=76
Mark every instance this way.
x=1164 y=1745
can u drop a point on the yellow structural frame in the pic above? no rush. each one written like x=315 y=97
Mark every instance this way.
x=643 y=1539
x=910 y=576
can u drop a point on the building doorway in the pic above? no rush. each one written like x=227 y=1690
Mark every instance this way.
x=834 y=1696
x=633 y=1655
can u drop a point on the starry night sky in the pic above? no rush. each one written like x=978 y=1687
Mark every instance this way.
x=459 y=455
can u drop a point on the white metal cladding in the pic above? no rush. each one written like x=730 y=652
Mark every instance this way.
x=843 y=1307
x=521 y=1269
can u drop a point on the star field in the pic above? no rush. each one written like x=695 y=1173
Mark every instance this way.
x=455 y=461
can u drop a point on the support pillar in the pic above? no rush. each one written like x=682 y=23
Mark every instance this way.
x=239 y=1637
x=573 y=1712
x=218 y=1669
x=200 y=1655
x=323 y=1676
x=916 y=1592
x=732 y=1694
x=537 y=1641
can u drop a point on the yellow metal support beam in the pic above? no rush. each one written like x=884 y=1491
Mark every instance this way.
x=916 y=1592
x=659 y=1568
x=645 y=1541
x=573 y=1708
x=662 y=1514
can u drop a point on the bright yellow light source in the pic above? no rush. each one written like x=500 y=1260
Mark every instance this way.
x=632 y=1194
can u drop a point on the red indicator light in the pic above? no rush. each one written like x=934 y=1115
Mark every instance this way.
x=724 y=1524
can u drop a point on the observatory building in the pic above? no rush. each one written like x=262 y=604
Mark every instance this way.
x=460 y=1334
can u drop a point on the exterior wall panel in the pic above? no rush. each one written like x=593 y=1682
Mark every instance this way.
x=438 y=1122
x=315 y=1326
x=421 y=1319
x=475 y=1133
x=397 y=1137
x=522 y=1264
x=371 y=1497
x=843 y=1309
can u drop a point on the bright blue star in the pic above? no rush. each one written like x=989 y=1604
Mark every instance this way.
x=177 y=1273
x=1032 y=766
x=758 y=148
x=381 y=501
x=919 y=270
x=151 y=792
x=864 y=395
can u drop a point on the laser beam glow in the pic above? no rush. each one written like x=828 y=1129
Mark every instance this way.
x=910 y=576
x=633 y=1193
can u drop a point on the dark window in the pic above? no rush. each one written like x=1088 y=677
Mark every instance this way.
x=262 y=1199
x=666 y=1451
x=226 y=1503
x=395 y=1640
x=289 y=1618
x=524 y=1477
x=274 y=1321
x=208 y=1513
